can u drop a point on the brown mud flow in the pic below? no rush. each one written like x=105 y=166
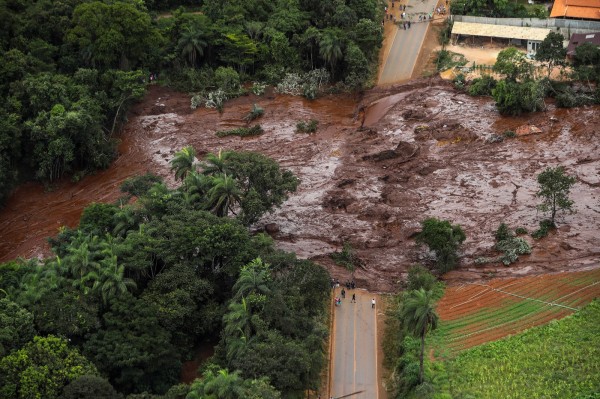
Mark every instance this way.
x=423 y=152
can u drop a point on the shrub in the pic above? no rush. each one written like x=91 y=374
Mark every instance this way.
x=482 y=86
x=503 y=232
x=509 y=134
x=509 y=244
x=307 y=127
x=520 y=230
x=254 y=113
x=258 y=88
x=459 y=81
x=545 y=226
x=242 y=131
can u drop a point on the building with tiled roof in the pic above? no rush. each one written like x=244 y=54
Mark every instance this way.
x=577 y=9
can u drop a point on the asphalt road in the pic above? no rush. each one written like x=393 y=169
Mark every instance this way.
x=354 y=369
x=406 y=45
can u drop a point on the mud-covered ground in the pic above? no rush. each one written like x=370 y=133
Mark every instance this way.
x=422 y=152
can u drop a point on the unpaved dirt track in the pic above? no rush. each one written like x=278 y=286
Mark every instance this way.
x=355 y=363
x=423 y=153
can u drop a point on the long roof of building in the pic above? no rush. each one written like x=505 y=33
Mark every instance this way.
x=584 y=9
x=501 y=31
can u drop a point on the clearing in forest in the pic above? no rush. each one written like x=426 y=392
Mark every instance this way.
x=475 y=313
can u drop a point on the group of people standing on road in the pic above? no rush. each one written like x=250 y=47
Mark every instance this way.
x=349 y=285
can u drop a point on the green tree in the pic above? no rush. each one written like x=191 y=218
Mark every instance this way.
x=551 y=51
x=254 y=279
x=513 y=64
x=221 y=384
x=41 y=369
x=183 y=162
x=513 y=98
x=110 y=280
x=112 y=35
x=16 y=326
x=331 y=47
x=133 y=349
x=223 y=196
x=419 y=317
x=88 y=387
x=554 y=188
x=444 y=239
x=191 y=44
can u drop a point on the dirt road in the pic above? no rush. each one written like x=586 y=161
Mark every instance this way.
x=355 y=361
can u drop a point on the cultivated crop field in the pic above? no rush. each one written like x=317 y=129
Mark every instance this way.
x=472 y=314
x=558 y=360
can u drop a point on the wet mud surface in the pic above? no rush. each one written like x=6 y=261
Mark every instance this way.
x=422 y=152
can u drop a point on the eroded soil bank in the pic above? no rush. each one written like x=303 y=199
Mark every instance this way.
x=422 y=152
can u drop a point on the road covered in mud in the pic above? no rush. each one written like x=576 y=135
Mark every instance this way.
x=423 y=151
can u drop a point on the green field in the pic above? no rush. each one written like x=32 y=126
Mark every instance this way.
x=559 y=360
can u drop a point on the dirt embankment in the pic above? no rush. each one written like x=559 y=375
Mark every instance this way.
x=422 y=152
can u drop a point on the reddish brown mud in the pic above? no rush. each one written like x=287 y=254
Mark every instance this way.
x=423 y=152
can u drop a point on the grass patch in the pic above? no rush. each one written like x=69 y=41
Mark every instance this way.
x=255 y=130
x=558 y=360
x=445 y=59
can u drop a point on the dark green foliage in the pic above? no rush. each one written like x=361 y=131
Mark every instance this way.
x=444 y=240
x=520 y=231
x=514 y=98
x=419 y=277
x=307 y=126
x=140 y=185
x=510 y=245
x=503 y=232
x=89 y=387
x=459 y=81
x=545 y=226
x=16 y=326
x=98 y=219
x=446 y=59
x=133 y=349
x=509 y=134
x=482 y=86
x=255 y=130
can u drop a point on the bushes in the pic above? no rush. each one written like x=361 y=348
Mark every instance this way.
x=255 y=130
x=482 y=86
x=307 y=127
x=545 y=226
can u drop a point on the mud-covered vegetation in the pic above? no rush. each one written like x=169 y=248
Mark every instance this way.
x=129 y=294
x=70 y=72
x=523 y=89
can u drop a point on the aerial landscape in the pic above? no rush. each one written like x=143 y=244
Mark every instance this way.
x=360 y=199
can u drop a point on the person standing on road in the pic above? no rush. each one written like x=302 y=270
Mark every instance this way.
x=373 y=303
x=343 y=293
x=353 y=298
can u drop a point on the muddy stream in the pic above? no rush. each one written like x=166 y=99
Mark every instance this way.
x=422 y=152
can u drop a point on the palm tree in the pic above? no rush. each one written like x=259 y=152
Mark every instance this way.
x=223 y=195
x=191 y=44
x=183 y=162
x=216 y=163
x=419 y=317
x=236 y=346
x=330 y=48
x=224 y=385
x=110 y=279
x=196 y=186
x=238 y=320
x=254 y=278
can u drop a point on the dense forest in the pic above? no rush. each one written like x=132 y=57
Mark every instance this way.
x=70 y=69
x=131 y=293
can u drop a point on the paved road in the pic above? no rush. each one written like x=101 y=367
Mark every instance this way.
x=355 y=360
x=406 y=45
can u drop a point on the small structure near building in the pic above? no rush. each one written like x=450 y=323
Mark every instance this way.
x=577 y=39
x=576 y=9
x=512 y=34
